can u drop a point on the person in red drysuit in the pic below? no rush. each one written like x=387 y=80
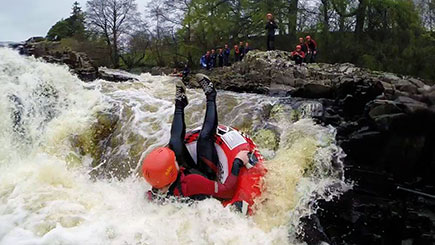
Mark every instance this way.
x=171 y=170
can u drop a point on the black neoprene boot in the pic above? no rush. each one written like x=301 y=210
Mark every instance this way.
x=180 y=94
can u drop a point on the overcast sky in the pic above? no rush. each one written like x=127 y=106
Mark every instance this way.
x=21 y=19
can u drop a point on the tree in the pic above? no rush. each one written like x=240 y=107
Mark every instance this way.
x=71 y=27
x=112 y=19
x=293 y=16
x=60 y=30
x=427 y=12
x=137 y=45
x=360 y=17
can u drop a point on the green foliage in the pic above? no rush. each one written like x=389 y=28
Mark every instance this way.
x=70 y=27
x=60 y=30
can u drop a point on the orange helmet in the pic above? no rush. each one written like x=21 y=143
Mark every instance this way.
x=308 y=37
x=298 y=47
x=160 y=168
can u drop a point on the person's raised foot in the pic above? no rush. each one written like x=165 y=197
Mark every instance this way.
x=180 y=93
x=205 y=83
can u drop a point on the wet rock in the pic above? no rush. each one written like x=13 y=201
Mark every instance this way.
x=418 y=83
x=430 y=96
x=313 y=232
x=391 y=78
x=310 y=109
x=313 y=91
x=410 y=105
x=267 y=138
x=406 y=86
x=116 y=75
x=378 y=108
x=95 y=140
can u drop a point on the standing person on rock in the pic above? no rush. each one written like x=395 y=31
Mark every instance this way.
x=236 y=53
x=270 y=27
x=220 y=58
x=242 y=51
x=227 y=52
x=213 y=57
x=247 y=48
x=312 y=49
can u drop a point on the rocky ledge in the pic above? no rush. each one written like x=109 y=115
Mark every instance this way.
x=386 y=126
x=52 y=52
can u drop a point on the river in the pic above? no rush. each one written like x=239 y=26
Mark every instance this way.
x=54 y=191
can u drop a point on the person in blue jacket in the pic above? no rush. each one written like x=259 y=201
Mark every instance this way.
x=206 y=61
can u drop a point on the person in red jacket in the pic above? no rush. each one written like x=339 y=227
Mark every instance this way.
x=171 y=170
x=312 y=49
x=298 y=55
x=237 y=53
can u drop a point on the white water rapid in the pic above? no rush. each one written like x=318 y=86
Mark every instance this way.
x=53 y=190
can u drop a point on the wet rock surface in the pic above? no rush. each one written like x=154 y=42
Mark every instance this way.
x=114 y=75
x=386 y=126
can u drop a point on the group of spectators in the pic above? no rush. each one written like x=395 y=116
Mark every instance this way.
x=306 y=50
x=222 y=58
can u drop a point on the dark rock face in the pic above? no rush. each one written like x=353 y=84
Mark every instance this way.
x=78 y=62
x=386 y=126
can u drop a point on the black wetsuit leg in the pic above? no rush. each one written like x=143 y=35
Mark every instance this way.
x=270 y=42
x=313 y=57
x=178 y=132
x=208 y=161
x=298 y=59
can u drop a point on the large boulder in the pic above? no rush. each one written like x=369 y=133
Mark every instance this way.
x=313 y=91
x=260 y=71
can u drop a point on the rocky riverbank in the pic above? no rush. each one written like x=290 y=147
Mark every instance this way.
x=386 y=126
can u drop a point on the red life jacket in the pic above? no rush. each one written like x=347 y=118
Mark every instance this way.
x=229 y=142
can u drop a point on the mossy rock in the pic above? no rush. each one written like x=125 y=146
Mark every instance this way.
x=267 y=139
x=91 y=141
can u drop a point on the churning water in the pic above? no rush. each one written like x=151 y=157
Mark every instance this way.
x=58 y=187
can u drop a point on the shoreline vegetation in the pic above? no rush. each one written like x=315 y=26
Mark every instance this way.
x=382 y=35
